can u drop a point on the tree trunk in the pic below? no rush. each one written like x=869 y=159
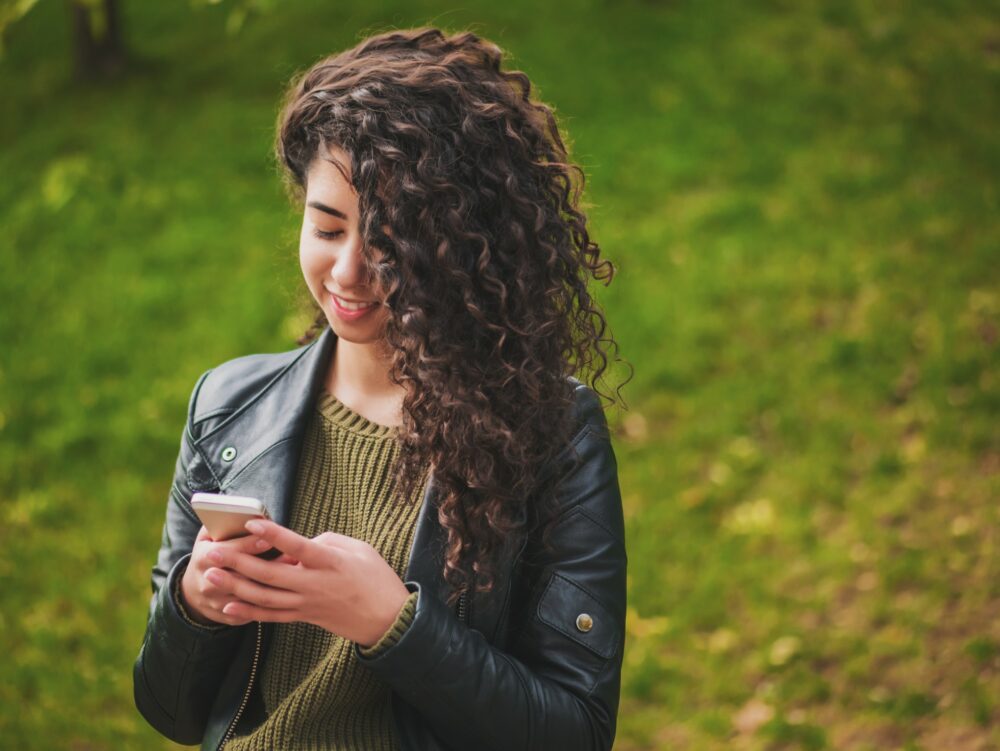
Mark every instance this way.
x=97 y=39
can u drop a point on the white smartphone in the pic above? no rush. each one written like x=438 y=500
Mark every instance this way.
x=225 y=515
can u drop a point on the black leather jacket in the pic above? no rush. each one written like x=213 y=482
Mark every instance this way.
x=522 y=667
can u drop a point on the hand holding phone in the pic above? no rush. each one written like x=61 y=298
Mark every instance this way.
x=223 y=517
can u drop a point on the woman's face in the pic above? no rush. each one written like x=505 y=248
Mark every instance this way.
x=330 y=252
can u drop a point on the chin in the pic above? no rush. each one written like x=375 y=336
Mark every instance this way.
x=369 y=334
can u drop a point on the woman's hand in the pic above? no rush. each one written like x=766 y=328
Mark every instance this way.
x=202 y=599
x=338 y=583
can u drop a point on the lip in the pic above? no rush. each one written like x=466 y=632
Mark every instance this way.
x=349 y=315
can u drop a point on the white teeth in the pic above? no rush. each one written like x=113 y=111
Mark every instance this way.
x=353 y=305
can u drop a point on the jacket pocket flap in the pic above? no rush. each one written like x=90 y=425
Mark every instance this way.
x=570 y=609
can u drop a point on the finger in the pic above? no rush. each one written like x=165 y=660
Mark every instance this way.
x=202 y=534
x=334 y=539
x=221 y=584
x=254 y=593
x=229 y=620
x=287 y=541
x=245 y=544
x=254 y=613
x=221 y=581
x=271 y=573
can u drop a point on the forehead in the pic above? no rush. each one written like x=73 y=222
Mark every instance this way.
x=329 y=175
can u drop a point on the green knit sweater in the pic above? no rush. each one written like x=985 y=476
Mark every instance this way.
x=316 y=694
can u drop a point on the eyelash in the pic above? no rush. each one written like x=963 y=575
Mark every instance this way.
x=327 y=235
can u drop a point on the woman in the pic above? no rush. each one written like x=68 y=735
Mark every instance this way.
x=443 y=489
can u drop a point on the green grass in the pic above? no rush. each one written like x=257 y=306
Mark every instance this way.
x=802 y=202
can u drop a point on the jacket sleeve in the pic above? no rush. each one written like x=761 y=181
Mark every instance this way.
x=558 y=684
x=180 y=663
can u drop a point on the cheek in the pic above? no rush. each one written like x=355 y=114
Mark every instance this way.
x=310 y=259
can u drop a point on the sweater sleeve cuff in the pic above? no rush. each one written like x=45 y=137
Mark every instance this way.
x=396 y=630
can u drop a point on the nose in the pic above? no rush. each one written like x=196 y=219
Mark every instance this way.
x=349 y=270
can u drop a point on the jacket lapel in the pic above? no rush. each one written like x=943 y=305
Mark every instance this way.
x=265 y=432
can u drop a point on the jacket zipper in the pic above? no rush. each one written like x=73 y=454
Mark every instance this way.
x=246 y=694
x=461 y=607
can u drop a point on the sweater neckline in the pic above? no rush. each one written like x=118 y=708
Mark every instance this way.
x=344 y=417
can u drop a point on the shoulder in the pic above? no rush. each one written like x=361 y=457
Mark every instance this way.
x=588 y=457
x=588 y=412
x=230 y=384
x=586 y=470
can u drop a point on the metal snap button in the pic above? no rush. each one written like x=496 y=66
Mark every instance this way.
x=228 y=453
x=584 y=622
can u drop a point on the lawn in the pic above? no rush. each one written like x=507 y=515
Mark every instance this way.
x=801 y=200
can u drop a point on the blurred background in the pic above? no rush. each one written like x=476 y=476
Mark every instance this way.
x=801 y=199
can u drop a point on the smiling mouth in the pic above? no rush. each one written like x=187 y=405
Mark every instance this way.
x=352 y=304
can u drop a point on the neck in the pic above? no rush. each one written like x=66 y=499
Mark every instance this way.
x=360 y=373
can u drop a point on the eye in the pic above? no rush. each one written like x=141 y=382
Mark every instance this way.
x=322 y=235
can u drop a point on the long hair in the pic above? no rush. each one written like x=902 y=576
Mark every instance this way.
x=466 y=188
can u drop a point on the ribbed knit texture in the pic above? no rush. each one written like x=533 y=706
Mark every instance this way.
x=316 y=693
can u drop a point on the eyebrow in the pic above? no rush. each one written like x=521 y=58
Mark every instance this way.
x=327 y=209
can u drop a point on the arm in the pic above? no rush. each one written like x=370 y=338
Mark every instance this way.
x=180 y=664
x=558 y=686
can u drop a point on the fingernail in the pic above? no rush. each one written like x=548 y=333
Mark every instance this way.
x=215 y=556
x=213 y=576
x=262 y=544
x=255 y=527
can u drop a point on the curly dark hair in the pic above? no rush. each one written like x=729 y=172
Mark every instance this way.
x=465 y=186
